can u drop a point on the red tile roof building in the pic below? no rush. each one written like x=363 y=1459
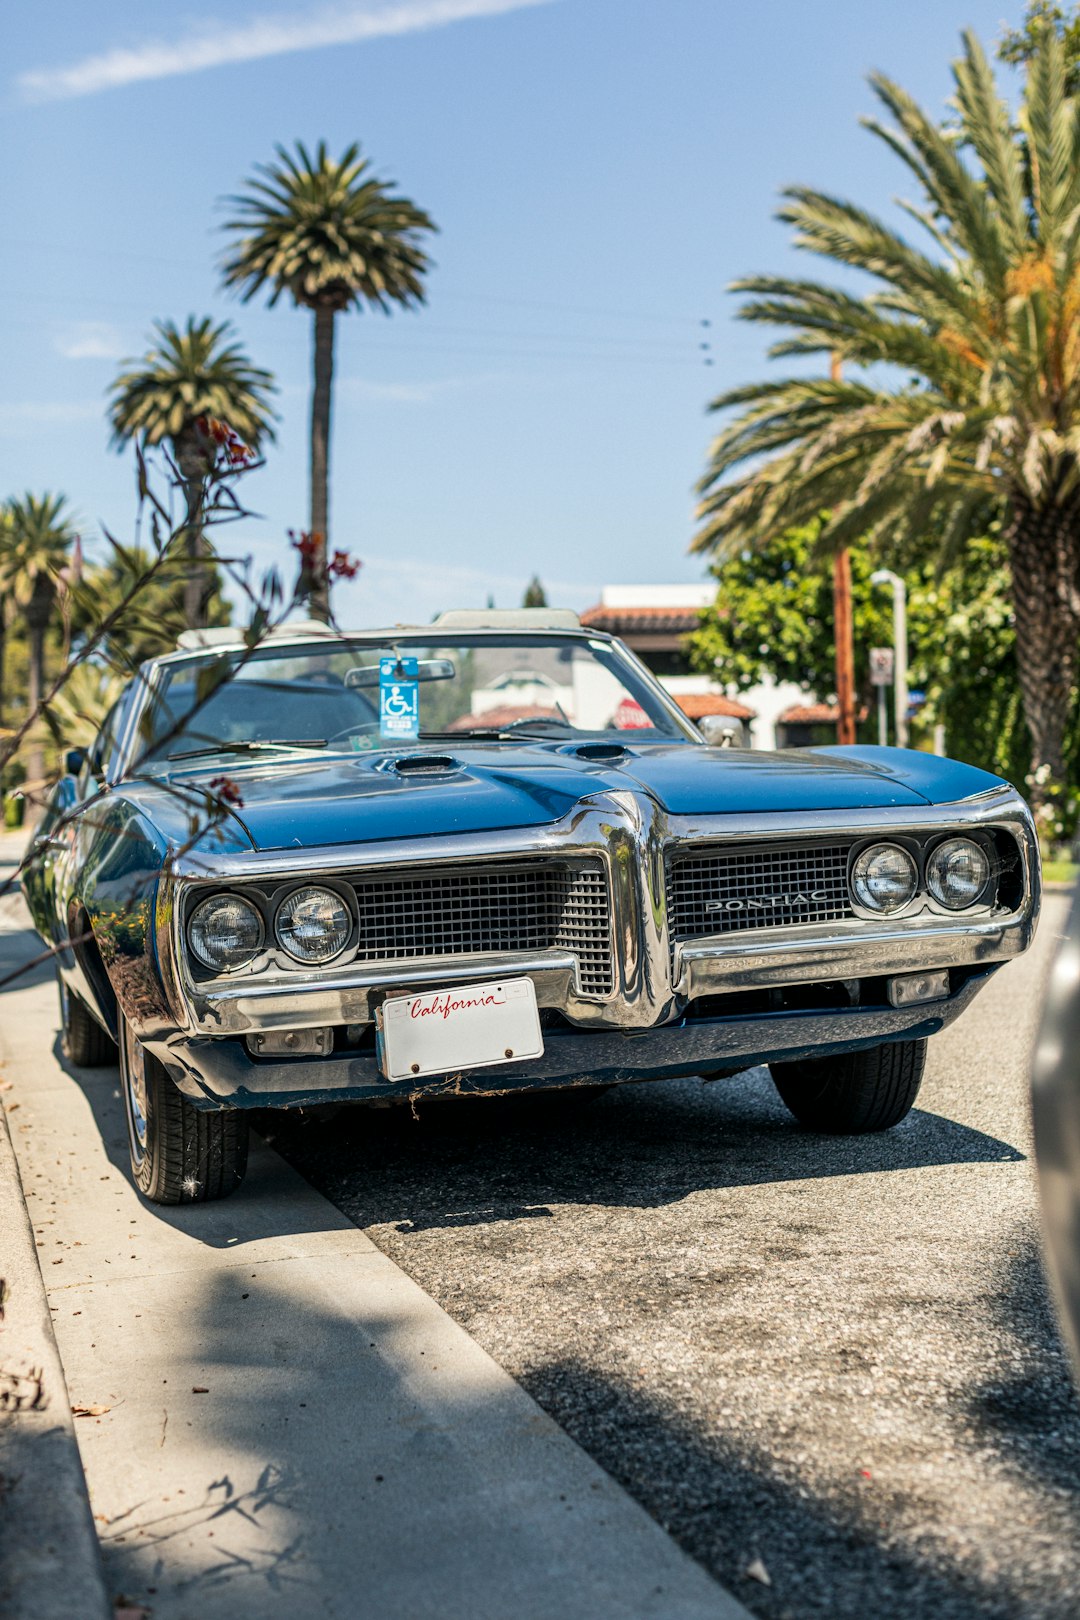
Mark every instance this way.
x=695 y=705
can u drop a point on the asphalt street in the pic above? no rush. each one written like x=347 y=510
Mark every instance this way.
x=829 y=1362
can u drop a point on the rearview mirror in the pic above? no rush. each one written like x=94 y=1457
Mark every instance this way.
x=73 y=761
x=428 y=669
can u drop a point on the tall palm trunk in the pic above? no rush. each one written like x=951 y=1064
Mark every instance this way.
x=320 y=458
x=38 y=612
x=190 y=463
x=1044 y=558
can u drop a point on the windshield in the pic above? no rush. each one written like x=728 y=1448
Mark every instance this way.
x=357 y=696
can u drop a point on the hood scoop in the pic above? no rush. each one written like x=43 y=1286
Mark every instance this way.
x=426 y=765
x=601 y=753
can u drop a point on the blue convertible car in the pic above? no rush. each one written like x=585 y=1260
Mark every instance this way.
x=492 y=853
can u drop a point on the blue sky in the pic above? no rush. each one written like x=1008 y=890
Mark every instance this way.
x=600 y=169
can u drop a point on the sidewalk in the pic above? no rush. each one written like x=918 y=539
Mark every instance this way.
x=50 y=1566
x=288 y=1423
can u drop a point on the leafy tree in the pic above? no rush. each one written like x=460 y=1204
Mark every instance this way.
x=983 y=332
x=152 y=624
x=1017 y=46
x=333 y=237
x=774 y=616
x=185 y=380
x=535 y=594
x=38 y=537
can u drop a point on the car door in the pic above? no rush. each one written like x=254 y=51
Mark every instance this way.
x=50 y=881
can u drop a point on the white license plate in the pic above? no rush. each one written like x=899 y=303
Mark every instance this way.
x=471 y=1027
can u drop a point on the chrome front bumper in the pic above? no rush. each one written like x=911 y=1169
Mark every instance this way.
x=654 y=983
x=215 y=1073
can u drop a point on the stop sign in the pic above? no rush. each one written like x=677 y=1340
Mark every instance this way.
x=630 y=716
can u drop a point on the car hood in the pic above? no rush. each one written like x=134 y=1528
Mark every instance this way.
x=298 y=803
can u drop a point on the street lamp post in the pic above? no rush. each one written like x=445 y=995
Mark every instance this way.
x=885 y=576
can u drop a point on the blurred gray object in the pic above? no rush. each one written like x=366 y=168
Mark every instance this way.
x=1056 y=1104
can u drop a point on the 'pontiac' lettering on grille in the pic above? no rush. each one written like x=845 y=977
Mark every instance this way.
x=768 y=902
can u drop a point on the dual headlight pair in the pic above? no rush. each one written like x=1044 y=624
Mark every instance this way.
x=885 y=877
x=311 y=924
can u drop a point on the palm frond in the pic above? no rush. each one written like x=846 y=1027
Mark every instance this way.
x=199 y=370
x=326 y=233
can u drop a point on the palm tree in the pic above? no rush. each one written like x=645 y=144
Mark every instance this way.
x=333 y=237
x=39 y=535
x=198 y=372
x=981 y=414
x=79 y=709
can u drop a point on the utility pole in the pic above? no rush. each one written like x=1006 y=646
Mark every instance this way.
x=885 y=576
x=843 y=630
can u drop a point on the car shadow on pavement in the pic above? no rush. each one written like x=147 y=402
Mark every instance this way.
x=209 y=1224
x=477 y=1160
x=474 y=1161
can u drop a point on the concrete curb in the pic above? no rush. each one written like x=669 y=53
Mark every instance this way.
x=1056 y=886
x=50 y=1561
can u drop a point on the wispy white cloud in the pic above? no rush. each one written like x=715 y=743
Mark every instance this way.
x=219 y=44
x=89 y=340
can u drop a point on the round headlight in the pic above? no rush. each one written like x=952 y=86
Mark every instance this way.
x=313 y=924
x=884 y=878
x=957 y=873
x=225 y=932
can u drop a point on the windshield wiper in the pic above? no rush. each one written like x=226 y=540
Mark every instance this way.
x=250 y=746
x=540 y=730
x=492 y=733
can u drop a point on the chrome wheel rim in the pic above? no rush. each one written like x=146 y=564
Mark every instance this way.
x=135 y=1092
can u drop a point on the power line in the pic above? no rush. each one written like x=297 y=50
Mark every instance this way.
x=592 y=310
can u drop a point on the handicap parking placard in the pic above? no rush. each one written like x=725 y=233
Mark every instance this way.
x=399 y=699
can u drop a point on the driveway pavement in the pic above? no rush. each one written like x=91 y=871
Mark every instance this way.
x=832 y=1356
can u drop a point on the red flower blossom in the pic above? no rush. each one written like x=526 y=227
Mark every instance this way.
x=227 y=791
x=342 y=566
x=218 y=435
x=308 y=545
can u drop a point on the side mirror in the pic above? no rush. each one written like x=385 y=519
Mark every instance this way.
x=73 y=761
x=719 y=731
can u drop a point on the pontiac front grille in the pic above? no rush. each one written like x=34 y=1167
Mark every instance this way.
x=722 y=891
x=529 y=906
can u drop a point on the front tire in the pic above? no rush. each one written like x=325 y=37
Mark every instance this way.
x=855 y=1092
x=180 y=1154
x=82 y=1039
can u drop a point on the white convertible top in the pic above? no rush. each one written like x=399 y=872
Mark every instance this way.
x=232 y=635
x=538 y=618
